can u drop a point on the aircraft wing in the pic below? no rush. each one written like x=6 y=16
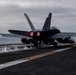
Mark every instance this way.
x=17 y=34
x=13 y=35
x=63 y=35
x=23 y=33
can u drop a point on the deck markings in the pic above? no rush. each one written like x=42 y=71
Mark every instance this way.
x=12 y=63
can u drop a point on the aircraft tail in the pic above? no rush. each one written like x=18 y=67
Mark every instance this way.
x=47 y=22
x=30 y=23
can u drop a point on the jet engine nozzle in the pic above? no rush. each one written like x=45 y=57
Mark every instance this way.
x=34 y=34
x=31 y=34
x=38 y=33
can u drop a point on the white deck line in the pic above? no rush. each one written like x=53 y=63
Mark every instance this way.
x=12 y=63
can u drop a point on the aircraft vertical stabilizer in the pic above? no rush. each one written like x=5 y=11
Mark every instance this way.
x=47 y=22
x=30 y=23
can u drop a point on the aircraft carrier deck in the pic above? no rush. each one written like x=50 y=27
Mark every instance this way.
x=40 y=61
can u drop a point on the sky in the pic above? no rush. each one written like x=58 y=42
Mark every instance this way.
x=12 y=14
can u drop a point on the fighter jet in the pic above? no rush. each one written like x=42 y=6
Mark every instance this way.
x=47 y=35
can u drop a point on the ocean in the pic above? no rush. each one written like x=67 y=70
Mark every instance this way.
x=9 y=40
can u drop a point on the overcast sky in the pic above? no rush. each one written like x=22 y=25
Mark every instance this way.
x=12 y=14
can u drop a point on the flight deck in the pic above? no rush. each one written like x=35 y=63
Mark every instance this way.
x=40 y=61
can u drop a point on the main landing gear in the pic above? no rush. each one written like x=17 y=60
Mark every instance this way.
x=55 y=44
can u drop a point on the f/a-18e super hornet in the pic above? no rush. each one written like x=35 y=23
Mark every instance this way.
x=47 y=35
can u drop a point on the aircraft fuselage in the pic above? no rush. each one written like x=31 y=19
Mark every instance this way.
x=44 y=34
